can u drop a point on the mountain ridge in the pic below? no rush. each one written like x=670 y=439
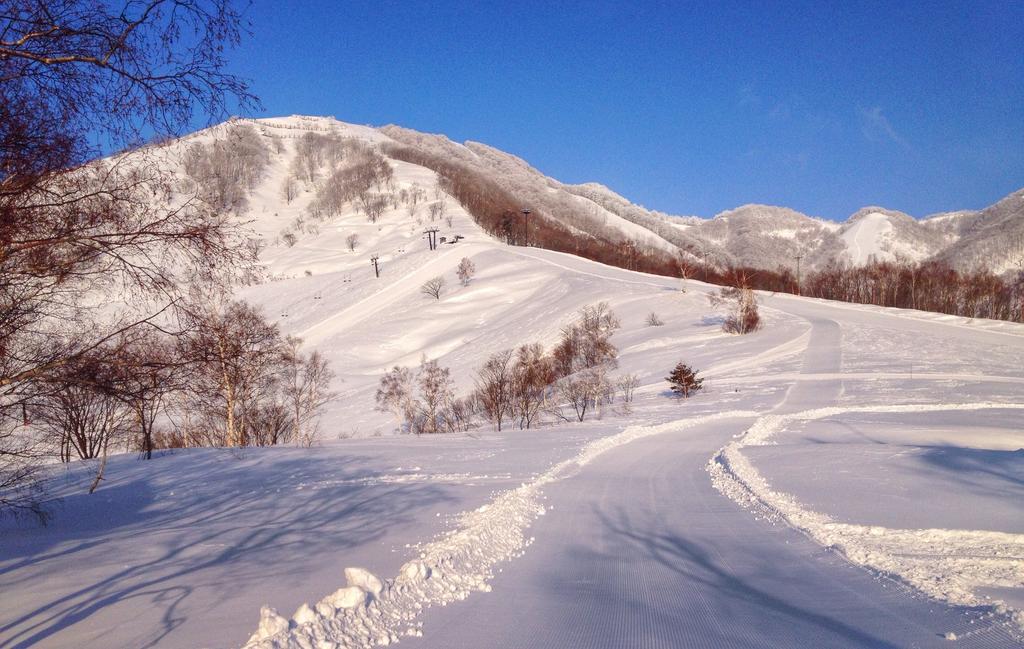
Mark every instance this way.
x=750 y=235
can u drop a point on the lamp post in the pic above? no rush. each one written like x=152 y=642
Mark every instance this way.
x=526 y=225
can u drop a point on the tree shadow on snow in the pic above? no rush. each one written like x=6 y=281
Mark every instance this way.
x=768 y=613
x=226 y=536
x=984 y=470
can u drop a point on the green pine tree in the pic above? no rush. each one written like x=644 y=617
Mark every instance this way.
x=684 y=381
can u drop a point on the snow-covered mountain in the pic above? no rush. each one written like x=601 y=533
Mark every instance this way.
x=759 y=236
x=870 y=432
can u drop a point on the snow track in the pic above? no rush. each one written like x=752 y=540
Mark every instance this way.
x=639 y=550
x=369 y=612
x=949 y=565
x=388 y=294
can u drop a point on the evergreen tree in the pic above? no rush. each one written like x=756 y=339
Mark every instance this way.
x=684 y=380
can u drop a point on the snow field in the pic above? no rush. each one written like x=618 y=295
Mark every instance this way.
x=950 y=565
x=181 y=552
x=447 y=570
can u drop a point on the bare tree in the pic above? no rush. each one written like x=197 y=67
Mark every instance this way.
x=352 y=241
x=81 y=412
x=433 y=287
x=236 y=352
x=75 y=74
x=437 y=393
x=307 y=386
x=290 y=189
x=436 y=210
x=373 y=205
x=395 y=395
x=583 y=390
x=627 y=385
x=465 y=270
x=742 y=316
x=148 y=370
x=494 y=387
x=228 y=168
x=532 y=374
x=587 y=342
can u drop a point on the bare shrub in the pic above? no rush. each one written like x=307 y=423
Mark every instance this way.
x=465 y=270
x=742 y=316
x=653 y=320
x=433 y=287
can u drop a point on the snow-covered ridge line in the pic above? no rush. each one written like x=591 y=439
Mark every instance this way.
x=948 y=565
x=370 y=612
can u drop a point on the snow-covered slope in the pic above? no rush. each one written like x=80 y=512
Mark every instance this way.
x=184 y=551
x=887 y=436
x=759 y=236
x=874 y=233
x=991 y=238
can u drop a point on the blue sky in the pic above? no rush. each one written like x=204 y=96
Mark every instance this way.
x=689 y=108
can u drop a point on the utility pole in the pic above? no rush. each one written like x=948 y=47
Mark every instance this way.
x=376 y=266
x=704 y=252
x=526 y=225
x=431 y=237
x=799 y=256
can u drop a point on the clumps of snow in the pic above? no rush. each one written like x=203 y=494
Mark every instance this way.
x=364 y=579
x=270 y=624
x=371 y=611
x=347 y=597
x=949 y=565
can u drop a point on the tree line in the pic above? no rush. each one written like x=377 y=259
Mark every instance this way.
x=929 y=286
x=497 y=211
x=926 y=286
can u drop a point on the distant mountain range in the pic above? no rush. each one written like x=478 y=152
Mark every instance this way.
x=760 y=236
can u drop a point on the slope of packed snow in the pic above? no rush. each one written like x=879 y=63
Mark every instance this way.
x=865 y=239
x=885 y=235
